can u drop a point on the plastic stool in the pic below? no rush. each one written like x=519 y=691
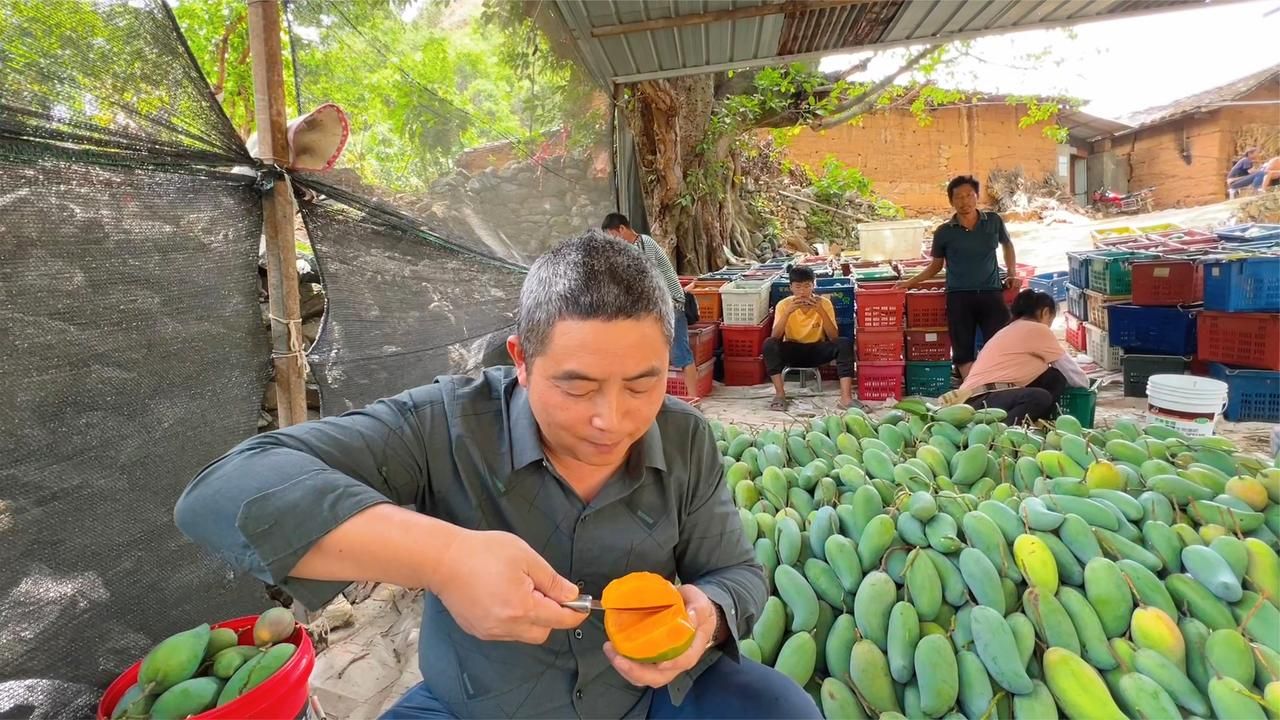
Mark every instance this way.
x=804 y=376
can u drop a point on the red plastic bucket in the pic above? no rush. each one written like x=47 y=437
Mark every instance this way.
x=283 y=696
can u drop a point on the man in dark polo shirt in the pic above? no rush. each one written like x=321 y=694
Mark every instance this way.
x=507 y=494
x=966 y=244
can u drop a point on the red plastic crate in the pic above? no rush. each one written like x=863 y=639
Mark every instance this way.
x=1075 y=333
x=1024 y=271
x=746 y=340
x=1167 y=282
x=744 y=371
x=928 y=345
x=704 y=338
x=879 y=345
x=828 y=372
x=1250 y=340
x=879 y=308
x=881 y=380
x=675 y=380
x=926 y=309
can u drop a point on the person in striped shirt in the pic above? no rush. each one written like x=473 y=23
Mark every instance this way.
x=616 y=224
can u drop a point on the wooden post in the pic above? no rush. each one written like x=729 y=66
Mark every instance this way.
x=287 y=342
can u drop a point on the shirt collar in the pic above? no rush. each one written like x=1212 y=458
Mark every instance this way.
x=526 y=441
x=955 y=218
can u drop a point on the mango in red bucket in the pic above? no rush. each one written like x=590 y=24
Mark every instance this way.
x=645 y=618
x=197 y=670
x=273 y=626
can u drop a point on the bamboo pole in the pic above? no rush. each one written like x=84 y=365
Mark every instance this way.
x=287 y=342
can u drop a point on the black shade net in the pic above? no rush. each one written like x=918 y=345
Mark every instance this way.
x=132 y=348
x=110 y=75
x=132 y=353
x=404 y=305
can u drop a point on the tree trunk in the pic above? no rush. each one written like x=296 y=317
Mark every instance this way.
x=694 y=222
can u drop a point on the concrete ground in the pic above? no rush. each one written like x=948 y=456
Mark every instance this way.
x=369 y=654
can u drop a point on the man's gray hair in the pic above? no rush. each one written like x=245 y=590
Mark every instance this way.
x=594 y=276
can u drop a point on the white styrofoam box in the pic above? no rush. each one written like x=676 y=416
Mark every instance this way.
x=892 y=240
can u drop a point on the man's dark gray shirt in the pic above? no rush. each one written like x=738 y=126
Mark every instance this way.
x=468 y=451
x=971 y=254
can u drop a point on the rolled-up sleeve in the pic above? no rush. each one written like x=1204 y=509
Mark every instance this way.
x=265 y=503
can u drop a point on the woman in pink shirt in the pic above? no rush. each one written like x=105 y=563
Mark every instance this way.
x=1023 y=368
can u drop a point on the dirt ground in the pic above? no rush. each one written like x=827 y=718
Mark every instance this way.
x=370 y=655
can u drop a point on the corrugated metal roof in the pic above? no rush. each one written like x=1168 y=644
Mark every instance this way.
x=1209 y=98
x=630 y=40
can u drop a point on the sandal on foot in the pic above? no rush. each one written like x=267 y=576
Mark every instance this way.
x=778 y=404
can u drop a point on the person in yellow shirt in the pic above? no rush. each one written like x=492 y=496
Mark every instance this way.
x=805 y=334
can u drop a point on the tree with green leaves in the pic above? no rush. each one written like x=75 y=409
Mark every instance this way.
x=418 y=90
x=690 y=135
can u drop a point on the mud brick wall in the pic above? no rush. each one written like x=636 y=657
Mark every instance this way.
x=911 y=164
x=1186 y=159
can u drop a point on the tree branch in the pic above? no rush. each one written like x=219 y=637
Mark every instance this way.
x=867 y=100
x=223 y=45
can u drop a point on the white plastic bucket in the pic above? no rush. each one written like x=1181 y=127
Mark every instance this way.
x=892 y=240
x=1189 y=404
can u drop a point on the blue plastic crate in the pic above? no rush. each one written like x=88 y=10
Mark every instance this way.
x=1152 y=330
x=1243 y=285
x=1076 y=304
x=1252 y=395
x=781 y=288
x=1054 y=283
x=840 y=292
x=1078 y=269
x=846 y=329
x=1249 y=233
x=838 y=289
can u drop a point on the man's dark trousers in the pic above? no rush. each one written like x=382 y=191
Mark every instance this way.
x=779 y=354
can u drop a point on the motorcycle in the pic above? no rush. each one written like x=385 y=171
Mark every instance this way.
x=1113 y=203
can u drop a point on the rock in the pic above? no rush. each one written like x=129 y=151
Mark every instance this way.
x=311 y=329
x=311 y=300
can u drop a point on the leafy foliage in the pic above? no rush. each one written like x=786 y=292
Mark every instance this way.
x=837 y=181
x=418 y=90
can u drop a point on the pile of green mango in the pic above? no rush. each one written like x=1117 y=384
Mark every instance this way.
x=200 y=669
x=935 y=562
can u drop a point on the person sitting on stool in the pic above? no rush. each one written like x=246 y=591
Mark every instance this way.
x=1023 y=369
x=805 y=335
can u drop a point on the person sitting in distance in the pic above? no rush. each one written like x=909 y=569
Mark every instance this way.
x=805 y=335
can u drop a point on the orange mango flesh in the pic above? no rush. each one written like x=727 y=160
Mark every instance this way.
x=649 y=636
x=639 y=590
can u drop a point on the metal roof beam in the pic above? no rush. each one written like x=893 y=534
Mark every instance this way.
x=721 y=15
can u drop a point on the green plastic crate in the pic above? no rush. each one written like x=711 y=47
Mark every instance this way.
x=929 y=379
x=1079 y=403
x=1110 y=271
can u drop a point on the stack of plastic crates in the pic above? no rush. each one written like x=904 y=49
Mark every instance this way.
x=880 y=341
x=1239 y=332
x=744 y=351
x=928 y=369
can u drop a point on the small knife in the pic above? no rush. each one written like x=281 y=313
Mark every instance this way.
x=586 y=603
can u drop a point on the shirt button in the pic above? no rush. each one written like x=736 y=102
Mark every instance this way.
x=577 y=634
x=577 y=694
x=581 y=584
